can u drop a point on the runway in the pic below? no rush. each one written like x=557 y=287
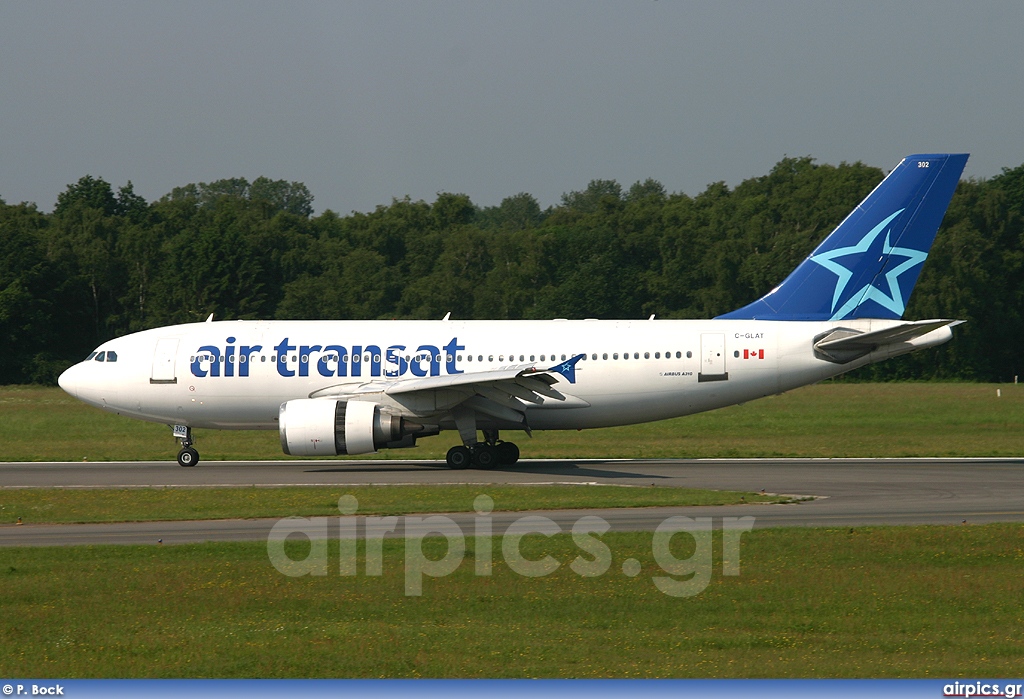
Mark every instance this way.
x=847 y=492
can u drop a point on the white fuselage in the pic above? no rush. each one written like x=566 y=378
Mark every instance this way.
x=237 y=374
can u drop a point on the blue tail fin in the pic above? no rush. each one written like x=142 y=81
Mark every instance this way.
x=868 y=266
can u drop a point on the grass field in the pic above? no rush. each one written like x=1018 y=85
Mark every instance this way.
x=814 y=602
x=874 y=602
x=825 y=420
x=49 y=505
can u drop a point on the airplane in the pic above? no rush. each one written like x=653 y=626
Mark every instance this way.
x=333 y=387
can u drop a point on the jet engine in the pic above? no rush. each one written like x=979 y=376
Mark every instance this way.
x=322 y=427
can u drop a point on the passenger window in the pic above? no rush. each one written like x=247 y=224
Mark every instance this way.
x=615 y=356
x=657 y=355
x=678 y=355
x=593 y=356
x=604 y=356
x=647 y=355
x=689 y=355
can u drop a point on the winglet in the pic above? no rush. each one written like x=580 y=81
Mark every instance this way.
x=568 y=368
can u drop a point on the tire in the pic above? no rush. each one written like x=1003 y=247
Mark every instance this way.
x=485 y=456
x=508 y=453
x=458 y=457
x=188 y=457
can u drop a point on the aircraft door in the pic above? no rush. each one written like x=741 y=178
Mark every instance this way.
x=163 y=361
x=712 y=358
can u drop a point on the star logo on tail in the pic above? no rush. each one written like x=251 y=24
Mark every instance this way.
x=872 y=243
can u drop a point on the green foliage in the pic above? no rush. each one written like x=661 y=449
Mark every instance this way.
x=87 y=193
x=107 y=262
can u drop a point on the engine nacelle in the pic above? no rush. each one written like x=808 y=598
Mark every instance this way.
x=322 y=427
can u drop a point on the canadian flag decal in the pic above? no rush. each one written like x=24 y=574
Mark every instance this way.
x=753 y=354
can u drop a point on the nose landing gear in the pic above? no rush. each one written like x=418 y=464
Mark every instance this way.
x=188 y=456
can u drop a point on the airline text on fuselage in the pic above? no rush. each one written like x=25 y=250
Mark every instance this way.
x=330 y=359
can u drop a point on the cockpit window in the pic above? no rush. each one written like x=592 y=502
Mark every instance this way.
x=93 y=354
x=101 y=356
x=111 y=356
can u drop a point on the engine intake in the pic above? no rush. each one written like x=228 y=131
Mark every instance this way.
x=320 y=427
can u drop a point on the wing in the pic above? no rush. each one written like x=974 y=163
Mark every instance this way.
x=503 y=393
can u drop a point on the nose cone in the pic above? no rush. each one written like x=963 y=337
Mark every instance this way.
x=70 y=380
x=91 y=383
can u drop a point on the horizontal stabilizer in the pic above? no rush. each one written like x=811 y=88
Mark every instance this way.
x=844 y=345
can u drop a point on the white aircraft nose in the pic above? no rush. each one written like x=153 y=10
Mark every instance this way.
x=70 y=380
x=90 y=383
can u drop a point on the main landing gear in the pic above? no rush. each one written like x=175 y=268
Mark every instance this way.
x=188 y=456
x=487 y=454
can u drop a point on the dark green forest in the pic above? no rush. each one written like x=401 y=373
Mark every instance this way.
x=106 y=262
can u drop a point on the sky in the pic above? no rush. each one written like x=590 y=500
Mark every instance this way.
x=366 y=102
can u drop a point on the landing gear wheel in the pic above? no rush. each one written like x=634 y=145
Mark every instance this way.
x=508 y=453
x=188 y=457
x=458 y=457
x=485 y=456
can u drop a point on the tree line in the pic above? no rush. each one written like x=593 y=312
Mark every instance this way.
x=106 y=262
